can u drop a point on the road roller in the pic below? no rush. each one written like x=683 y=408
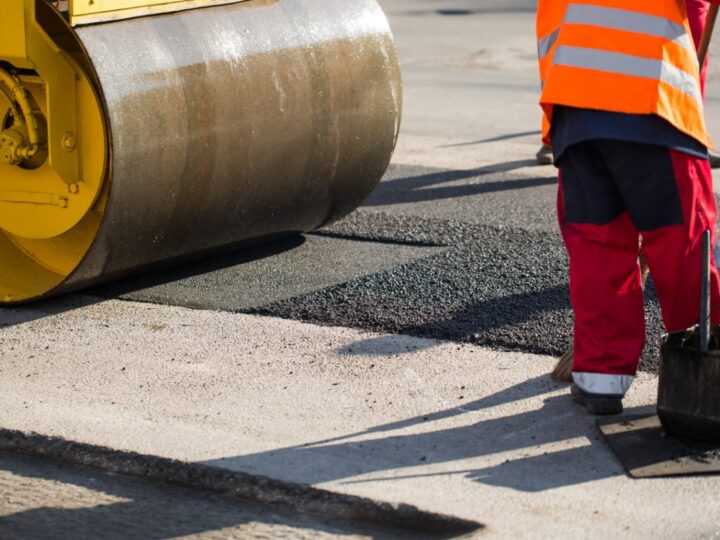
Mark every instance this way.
x=142 y=133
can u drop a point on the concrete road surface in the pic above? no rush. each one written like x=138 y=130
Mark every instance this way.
x=46 y=499
x=400 y=354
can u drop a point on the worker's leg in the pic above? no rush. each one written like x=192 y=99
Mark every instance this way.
x=672 y=246
x=605 y=283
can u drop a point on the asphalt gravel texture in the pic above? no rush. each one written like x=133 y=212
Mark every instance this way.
x=499 y=278
x=505 y=288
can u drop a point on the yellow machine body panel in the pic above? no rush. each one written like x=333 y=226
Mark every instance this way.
x=94 y=11
x=53 y=152
x=47 y=195
x=12 y=30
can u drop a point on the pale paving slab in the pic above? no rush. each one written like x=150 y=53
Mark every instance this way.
x=42 y=499
x=452 y=428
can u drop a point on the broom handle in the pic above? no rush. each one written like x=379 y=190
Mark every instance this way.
x=704 y=46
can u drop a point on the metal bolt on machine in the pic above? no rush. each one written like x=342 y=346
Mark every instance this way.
x=135 y=133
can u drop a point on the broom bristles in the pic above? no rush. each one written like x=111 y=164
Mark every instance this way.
x=563 y=370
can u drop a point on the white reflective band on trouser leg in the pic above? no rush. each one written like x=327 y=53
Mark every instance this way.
x=603 y=383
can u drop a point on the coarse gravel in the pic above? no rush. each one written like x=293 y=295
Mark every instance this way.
x=464 y=255
x=502 y=287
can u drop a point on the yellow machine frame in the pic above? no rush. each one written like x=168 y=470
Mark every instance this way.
x=53 y=151
x=26 y=45
x=94 y=11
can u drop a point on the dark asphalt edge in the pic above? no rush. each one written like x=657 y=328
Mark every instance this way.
x=262 y=489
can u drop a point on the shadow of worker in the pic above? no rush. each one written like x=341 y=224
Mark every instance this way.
x=468 y=440
x=453 y=184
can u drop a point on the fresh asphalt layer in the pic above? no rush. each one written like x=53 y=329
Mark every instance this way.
x=471 y=256
x=243 y=280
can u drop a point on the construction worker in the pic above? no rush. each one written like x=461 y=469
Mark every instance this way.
x=697 y=11
x=623 y=113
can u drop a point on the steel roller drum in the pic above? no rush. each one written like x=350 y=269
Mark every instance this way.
x=227 y=125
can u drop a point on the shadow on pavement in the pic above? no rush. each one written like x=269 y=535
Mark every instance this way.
x=475 y=320
x=571 y=456
x=426 y=187
x=499 y=138
x=25 y=313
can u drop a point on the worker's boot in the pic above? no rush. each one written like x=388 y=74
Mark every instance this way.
x=597 y=403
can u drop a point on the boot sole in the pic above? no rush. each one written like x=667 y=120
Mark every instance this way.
x=597 y=405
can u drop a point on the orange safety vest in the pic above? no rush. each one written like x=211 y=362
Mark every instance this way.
x=629 y=56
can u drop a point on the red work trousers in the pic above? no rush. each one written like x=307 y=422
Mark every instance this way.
x=611 y=193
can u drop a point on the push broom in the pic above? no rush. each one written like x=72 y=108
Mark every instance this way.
x=563 y=370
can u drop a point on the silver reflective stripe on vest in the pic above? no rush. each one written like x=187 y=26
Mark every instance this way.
x=602 y=383
x=626 y=64
x=630 y=21
x=546 y=44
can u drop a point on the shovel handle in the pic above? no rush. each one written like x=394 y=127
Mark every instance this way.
x=704 y=46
